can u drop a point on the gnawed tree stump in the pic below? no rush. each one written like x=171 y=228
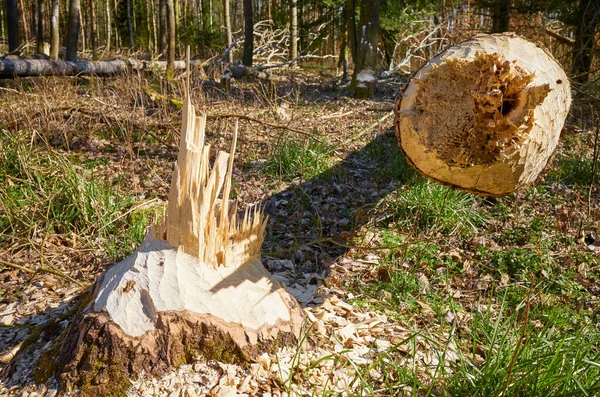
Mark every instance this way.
x=196 y=286
x=485 y=115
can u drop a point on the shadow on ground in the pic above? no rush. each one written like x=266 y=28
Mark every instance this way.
x=304 y=218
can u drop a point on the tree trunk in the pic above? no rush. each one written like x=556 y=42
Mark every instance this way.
x=72 y=31
x=154 y=26
x=40 y=28
x=588 y=19
x=195 y=287
x=364 y=78
x=248 y=33
x=484 y=116
x=82 y=29
x=293 y=30
x=93 y=30
x=2 y=16
x=501 y=16
x=26 y=26
x=228 y=30
x=12 y=25
x=54 y=30
x=34 y=18
x=171 y=38
x=343 y=59
x=116 y=25
x=129 y=24
x=108 y=26
x=162 y=21
x=351 y=28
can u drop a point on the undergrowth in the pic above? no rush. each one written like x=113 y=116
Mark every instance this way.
x=427 y=207
x=291 y=157
x=43 y=193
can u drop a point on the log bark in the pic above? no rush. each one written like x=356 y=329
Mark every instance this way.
x=485 y=115
x=238 y=71
x=195 y=288
x=45 y=67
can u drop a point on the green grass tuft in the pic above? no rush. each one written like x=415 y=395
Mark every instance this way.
x=43 y=193
x=429 y=208
x=291 y=158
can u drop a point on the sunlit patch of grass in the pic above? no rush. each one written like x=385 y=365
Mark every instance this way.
x=428 y=208
x=43 y=193
x=511 y=356
x=291 y=157
x=501 y=350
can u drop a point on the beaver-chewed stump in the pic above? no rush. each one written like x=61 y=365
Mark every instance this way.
x=195 y=288
x=485 y=115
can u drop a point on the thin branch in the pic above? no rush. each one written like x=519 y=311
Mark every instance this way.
x=363 y=132
x=343 y=245
x=42 y=269
x=249 y=118
x=18 y=267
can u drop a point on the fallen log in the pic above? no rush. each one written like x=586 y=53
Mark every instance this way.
x=195 y=288
x=47 y=67
x=238 y=71
x=485 y=115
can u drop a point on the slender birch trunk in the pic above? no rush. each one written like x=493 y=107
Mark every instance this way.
x=293 y=30
x=228 y=29
x=54 y=30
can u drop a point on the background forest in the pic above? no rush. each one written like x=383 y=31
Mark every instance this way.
x=409 y=287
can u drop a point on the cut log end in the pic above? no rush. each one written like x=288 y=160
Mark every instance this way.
x=484 y=116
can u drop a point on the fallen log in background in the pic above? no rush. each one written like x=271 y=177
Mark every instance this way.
x=47 y=67
x=238 y=71
x=485 y=115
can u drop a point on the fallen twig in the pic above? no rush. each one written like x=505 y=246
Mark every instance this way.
x=337 y=115
x=363 y=132
x=249 y=118
x=42 y=269
x=343 y=245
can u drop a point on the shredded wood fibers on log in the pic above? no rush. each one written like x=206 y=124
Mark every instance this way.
x=472 y=112
x=485 y=115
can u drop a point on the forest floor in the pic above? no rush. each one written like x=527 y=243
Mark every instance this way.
x=409 y=287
